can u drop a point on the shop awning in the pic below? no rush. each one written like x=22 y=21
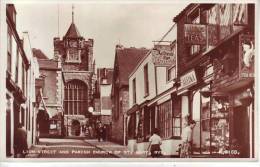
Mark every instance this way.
x=133 y=109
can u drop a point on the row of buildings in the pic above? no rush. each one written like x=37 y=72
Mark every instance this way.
x=21 y=70
x=49 y=96
x=204 y=70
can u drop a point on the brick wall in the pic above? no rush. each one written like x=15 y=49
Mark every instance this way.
x=118 y=124
x=181 y=49
x=118 y=130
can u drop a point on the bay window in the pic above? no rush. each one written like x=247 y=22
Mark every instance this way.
x=170 y=118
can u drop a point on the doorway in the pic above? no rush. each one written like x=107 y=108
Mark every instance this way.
x=241 y=130
x=8 y=133
x=75 y=128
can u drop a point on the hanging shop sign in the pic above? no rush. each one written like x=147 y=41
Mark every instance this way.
x=195 y=34
x=246 y=56
x=164 y=56
x=188 y=80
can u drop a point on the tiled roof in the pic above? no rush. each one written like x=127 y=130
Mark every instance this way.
x=48 y=64
x=72 y=32
x=127 y=60
x=39 y=54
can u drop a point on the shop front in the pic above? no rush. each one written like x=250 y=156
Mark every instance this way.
x=170 y=123
x=163 y=112
x=222 y=104
x=195 y=90
x=139 y=126
x=233 y=98
x=131 y=127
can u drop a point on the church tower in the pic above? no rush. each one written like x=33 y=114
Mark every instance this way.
x=75 y=56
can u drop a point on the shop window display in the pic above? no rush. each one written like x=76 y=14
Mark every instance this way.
x=219 y=126
x=205 y=125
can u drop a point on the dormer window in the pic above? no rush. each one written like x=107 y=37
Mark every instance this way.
x=73 y=55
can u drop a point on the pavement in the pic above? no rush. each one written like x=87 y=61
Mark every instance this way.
x=118 y=150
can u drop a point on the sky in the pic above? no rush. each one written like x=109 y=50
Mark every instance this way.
x=109 y=24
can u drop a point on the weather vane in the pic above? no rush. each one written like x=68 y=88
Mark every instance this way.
x=72 y=13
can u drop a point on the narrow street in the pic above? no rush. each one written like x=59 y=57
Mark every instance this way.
x=67 y=148
x=126 y=81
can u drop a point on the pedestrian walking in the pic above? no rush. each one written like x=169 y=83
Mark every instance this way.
x=187 y=136
x=104 y=134
x=99 y=131
x=155 y=142
x=20 y=142
x=90 y=131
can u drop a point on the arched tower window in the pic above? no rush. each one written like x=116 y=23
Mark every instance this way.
x=76 y=98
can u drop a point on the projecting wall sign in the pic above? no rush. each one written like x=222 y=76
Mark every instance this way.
x=164 y=56
x=195 y=34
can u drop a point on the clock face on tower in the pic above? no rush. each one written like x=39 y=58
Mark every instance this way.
x=73 y=44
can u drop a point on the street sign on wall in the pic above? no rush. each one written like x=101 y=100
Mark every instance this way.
x=195 y=34
x=163 y=56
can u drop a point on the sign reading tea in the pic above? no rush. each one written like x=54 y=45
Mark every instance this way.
x=195 y=34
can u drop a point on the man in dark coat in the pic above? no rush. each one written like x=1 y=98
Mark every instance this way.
x=20 y=142
x=99 y=131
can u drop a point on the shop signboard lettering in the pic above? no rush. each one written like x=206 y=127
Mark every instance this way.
x=163 y=56
x=188 y=80
x=246 y=56
x=195 y=34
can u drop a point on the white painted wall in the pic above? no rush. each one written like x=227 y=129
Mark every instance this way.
x=105 y=91
x=3 y=67
x=33 y=73
x=170 y=147
x=162 y=83
x=139 y=76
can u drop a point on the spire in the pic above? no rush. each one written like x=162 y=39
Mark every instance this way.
x=72 y=13
x=72 y=31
